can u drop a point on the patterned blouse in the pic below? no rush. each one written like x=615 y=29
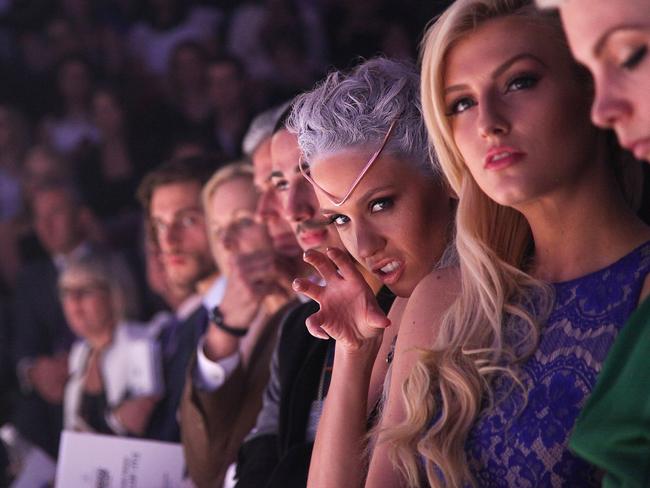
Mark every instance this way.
x=519 y=444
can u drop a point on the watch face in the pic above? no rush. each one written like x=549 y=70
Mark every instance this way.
x=216 y=316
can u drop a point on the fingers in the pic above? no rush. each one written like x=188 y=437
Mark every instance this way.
x=306 y=287
x=322 y=264
x=376 y=317
x=343 y=262
x=313 y=324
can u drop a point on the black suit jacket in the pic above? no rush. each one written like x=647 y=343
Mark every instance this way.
x=164 y=424
x=39 y=328
x=282 y=460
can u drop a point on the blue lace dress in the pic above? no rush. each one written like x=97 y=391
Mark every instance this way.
x=519 y=444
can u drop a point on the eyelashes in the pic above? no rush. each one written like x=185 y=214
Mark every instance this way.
x=521 y=81
x=635 y=58
x=459 y=106
x=338 y=220
x=375 y=206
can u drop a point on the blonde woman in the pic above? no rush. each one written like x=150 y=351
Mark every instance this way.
x=115 y=370
x=552 y=262
x=224 y=387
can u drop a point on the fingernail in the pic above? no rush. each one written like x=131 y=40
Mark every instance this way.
x=296 y=285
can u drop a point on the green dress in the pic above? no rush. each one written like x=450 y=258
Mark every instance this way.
x=613 y=430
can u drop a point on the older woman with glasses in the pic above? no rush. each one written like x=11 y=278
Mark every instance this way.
x=115 y=371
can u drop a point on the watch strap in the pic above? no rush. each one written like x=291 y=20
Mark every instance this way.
x=216 y=317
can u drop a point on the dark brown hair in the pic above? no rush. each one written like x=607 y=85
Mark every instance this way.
x=197 y=169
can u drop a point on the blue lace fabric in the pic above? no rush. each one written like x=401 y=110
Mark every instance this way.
x=519 y=443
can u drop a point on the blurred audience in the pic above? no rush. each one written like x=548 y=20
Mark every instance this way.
x=165 y=24
x=41 y=336
x=231 y=105
x=71 y=123
x=94 y=96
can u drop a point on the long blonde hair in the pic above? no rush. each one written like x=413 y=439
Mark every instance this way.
x=494 y=323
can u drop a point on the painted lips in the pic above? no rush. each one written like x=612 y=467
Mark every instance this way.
x=389 y=272
x=502 y=157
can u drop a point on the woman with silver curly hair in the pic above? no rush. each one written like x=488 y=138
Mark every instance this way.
x=365 y=152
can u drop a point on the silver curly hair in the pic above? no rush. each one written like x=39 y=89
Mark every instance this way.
x=354 y=110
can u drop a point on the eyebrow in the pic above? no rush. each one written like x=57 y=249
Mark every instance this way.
x=602 y=40
x=500 y=70
x=280 y=174
x=182 y=211
x=365 y=197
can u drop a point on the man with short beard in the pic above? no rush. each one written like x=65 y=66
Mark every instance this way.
x=171 y=198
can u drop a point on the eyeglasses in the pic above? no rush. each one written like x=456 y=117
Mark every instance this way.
x=306 y=172
x=81 y=292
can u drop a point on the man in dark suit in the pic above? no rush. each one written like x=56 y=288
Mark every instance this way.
x=41 y=337
x=171 y=197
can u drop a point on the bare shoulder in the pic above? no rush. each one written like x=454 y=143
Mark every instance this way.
x=427 y=304
x=441 y=284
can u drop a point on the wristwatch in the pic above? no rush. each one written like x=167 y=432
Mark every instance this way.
x=216 y=317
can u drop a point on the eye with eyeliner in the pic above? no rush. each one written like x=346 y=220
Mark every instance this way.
x=338 y=220
x=459 y=105
x=634 y=59
x=522 y=81
x=381 y=204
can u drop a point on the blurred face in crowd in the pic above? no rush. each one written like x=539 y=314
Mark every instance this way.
x=87 y=305
x=612 y=40
x=232 y=223
x=188 y=68
x=74 y=81
x=297 y=197
x=224 y=85
x=395 y=222
x=179 y=227
x=5 y=128
x=109 y=115
x=56 y=221
x=269 y=209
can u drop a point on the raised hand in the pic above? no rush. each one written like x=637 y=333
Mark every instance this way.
x=267 y=273
x=349 y=311
x=243 y=296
